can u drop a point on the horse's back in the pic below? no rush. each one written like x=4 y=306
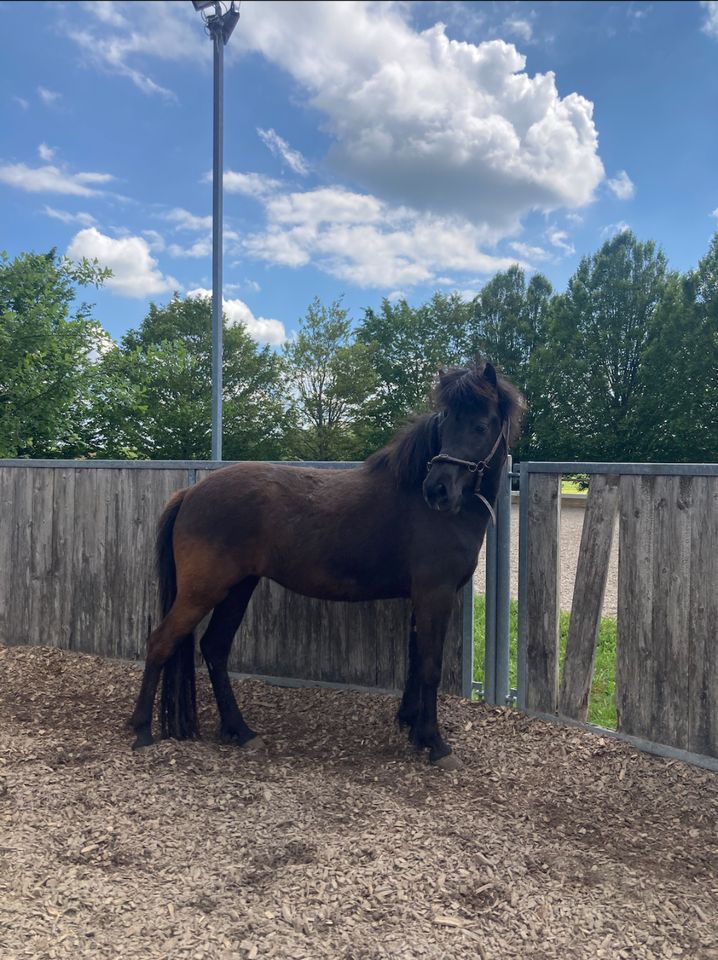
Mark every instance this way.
x=320 y=531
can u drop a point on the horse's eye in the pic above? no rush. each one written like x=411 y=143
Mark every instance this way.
x=480 y=428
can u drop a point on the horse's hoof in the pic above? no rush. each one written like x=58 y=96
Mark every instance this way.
x=144 y=739
x=448 y=762
x=256 y=743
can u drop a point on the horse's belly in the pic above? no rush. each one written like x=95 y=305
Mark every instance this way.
x=325 y=584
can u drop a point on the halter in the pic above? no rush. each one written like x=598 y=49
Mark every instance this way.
x=478 y=467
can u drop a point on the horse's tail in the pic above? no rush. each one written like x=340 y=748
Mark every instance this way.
x=178 y=702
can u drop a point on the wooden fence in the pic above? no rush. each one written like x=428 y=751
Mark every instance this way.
x=77 y=572
x=667 y=622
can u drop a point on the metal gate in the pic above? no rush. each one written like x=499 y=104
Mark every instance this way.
x=667 y=622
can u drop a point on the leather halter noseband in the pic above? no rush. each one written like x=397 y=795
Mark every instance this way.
x=478 y=467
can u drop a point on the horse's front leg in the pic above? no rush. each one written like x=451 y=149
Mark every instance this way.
x=408 y=711
x=432 y=609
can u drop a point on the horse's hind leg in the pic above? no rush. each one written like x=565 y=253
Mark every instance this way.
x=179 y=624
x=215 y=645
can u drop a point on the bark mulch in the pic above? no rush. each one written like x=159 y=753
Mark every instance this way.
x=337 y=841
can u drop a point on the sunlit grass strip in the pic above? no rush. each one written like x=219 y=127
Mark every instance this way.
x=602 y=701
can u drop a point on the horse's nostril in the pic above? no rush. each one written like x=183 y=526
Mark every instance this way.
x=441 y=492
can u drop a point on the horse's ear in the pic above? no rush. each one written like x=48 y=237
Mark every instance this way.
x=490 y=374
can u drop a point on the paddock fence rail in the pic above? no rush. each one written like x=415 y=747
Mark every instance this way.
x=77 y=571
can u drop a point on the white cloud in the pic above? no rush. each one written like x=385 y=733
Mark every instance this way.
x=48 y=97
x=519 y=27
x=528 y=252
x=22 y=102
x=715 y=213
x=51 y=179
x=46 y=153
x=280 y=148
x=358 y=238
x=622 y=185
x=251 y=184
x=135 y=272
x=259 y=328
x=155 y=240
x=119 y=44
x=612 y=229
x=710 y=24
x=200 y=248
x=106 y=11
x=559 y=239
x=441 y=125
x=84 y=219
x=184 y=220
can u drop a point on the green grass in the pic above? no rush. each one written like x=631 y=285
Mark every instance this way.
x=570 y=486
x=602 y=700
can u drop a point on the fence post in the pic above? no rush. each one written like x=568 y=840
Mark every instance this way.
x=490 y=631
x=503 y=587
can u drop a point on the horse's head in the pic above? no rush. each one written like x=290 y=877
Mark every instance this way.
x=477 y=414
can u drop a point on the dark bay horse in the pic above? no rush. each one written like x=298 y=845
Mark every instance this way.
x=408 y=522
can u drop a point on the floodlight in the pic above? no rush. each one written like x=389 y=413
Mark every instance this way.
x=229 y=22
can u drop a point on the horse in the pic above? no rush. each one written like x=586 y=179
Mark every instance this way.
x=408 y=522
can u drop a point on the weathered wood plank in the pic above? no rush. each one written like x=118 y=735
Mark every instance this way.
x=63 y=532
x=634 y=627
x=589 y=589
x=671 y=593
x=652 y=662
x=145 y=498
x=543 y=592
x=14 y=548
x=18 y=595
x=703 y=625
x=41 y=587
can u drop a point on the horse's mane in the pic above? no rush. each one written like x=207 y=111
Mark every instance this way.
x=472 y=387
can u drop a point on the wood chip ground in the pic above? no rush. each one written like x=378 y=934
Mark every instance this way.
x=337 y=841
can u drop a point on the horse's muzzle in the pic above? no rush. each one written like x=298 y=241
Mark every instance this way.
x=438 y=497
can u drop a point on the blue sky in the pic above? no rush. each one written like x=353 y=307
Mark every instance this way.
x=371 y=149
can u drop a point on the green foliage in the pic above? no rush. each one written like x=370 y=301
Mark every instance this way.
x=407 y=346
x=621 y=366
x=591 y=364
x=331 y=378
x=47 y=344
x=155 y=400
x=508 y=326
x=602 y=699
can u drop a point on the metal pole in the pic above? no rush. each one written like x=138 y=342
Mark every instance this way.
x=522 y=652
x=217 y=165
x=467 y=649
x=503 y=585
x=490 y=632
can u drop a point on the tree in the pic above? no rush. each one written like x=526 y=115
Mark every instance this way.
x=509 y=321
x=407 y=346
x=156 y=397
x=331 y=377
x=590 y=366
x=47 y=346
x=679 y=395
x=507 y=327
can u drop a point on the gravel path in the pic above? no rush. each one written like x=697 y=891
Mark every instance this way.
x=339 y=842
x=571 y=528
